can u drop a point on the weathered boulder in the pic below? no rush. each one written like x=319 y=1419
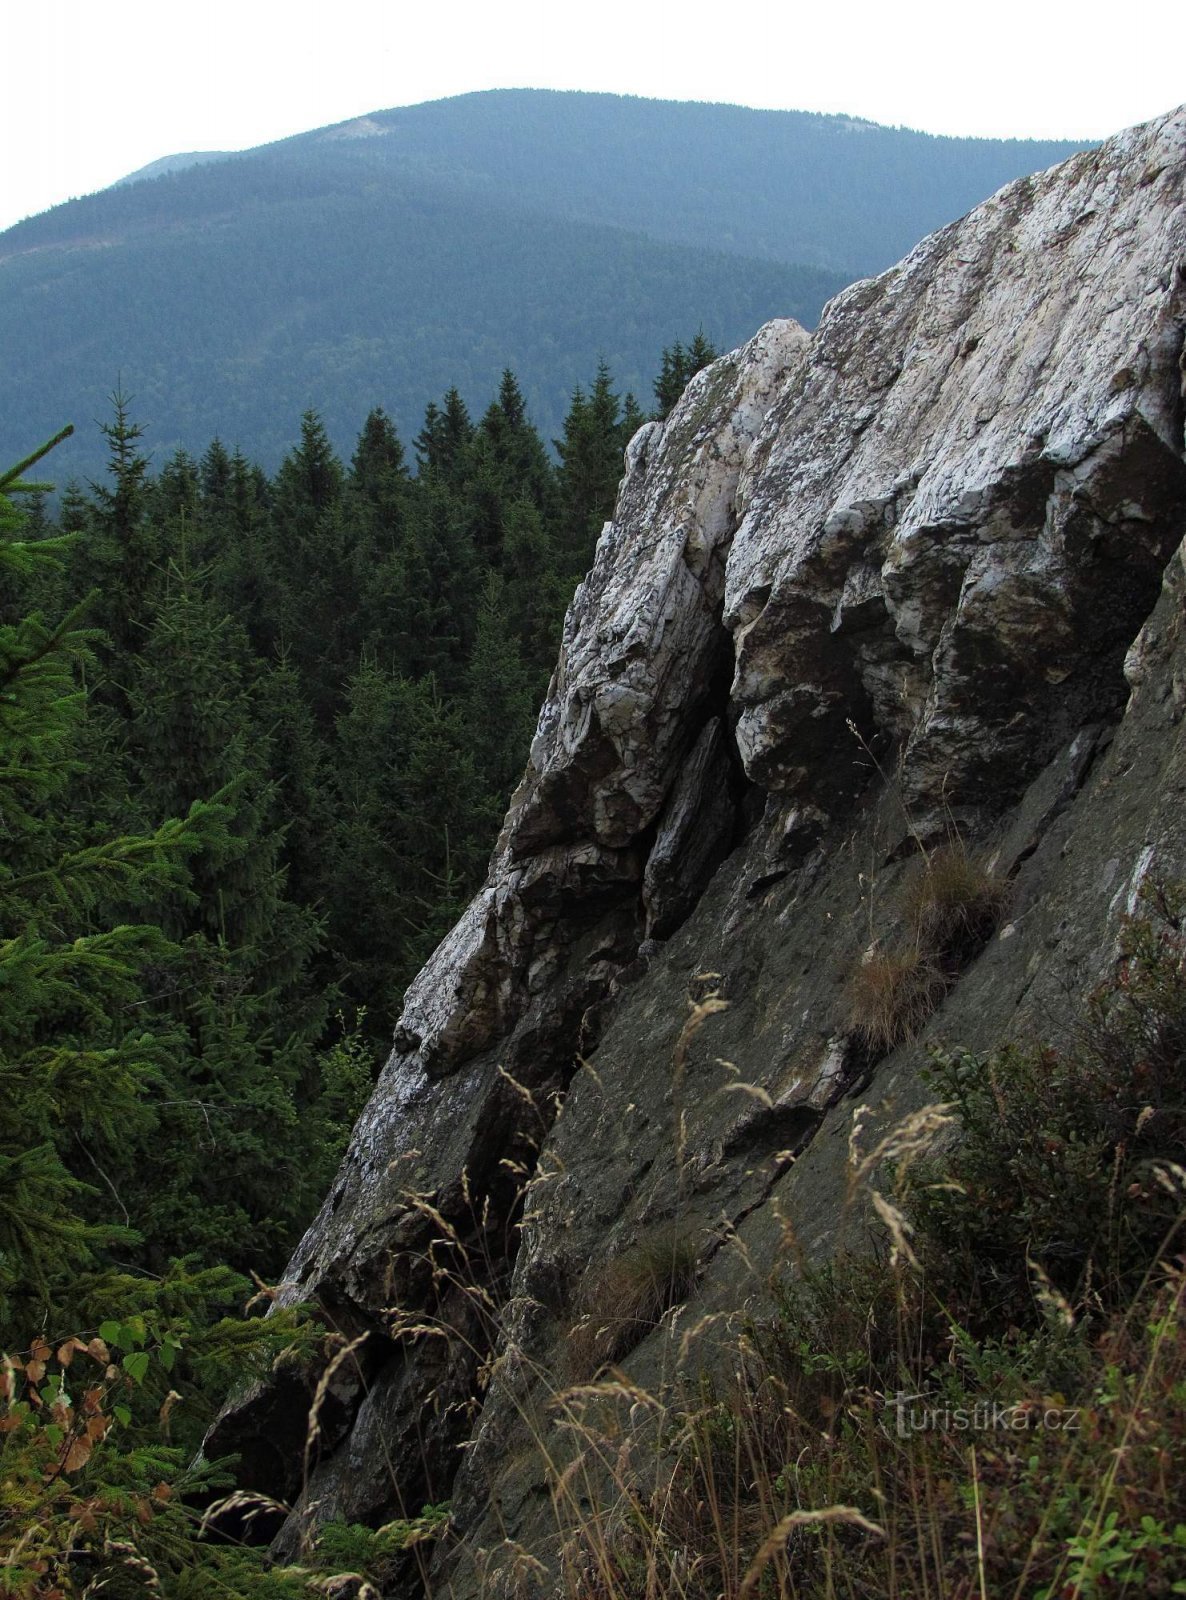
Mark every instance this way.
x=919 y=571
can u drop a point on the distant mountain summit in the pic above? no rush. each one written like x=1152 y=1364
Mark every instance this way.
x=381 y=260
x=177 y=163
x=838 y=192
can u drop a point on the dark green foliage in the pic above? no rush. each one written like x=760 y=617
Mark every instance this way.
x=309 y=551
x=441 y=442
x=413 y=824
x=678 y=367
x=500 y=704
x=377 y=489
x=326 y=685
x=332 y=679
x=76 y=1055
x=160 y=1030
x=170 y=1097
x=1059 y=1164
x=537 y=587
x=428 y=596
x=351 y=660
x=597 y=430
x=121 y=548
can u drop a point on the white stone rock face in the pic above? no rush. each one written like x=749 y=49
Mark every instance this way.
x=975 y=438
x=643 y=645
x=906 y=522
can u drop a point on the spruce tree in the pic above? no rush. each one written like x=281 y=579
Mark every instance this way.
x=246 y=1001
x=119 y=556
x=314 y=603
x=378 y=475
x=500 y=701
x=670 y=383
x=516 y=451
x=176 y=494
x=441 y=443
x=235 y=509
x=131 y=1129
x=377 y=497
x=79 y=1054
x=596 y=432
x=412 y=828
x=297 y=764
x=537 y=587
x=309 y=482
x=215 y=476
x=431 y=590
x=679 y=366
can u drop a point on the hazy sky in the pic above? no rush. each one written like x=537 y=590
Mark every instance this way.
x=92 y=92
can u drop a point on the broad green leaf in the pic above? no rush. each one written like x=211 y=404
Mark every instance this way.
x=135 y=1364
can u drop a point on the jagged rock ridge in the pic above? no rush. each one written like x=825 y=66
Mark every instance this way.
x=921 y=541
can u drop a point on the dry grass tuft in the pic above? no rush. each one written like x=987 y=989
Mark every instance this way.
x=623 y=1300
x=954 y=902
x=948 y=910
x=892 y=993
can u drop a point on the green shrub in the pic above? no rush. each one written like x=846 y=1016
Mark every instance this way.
x=1070 y=1159
x=375 y=1554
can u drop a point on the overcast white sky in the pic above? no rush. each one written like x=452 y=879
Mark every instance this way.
x=92 y=92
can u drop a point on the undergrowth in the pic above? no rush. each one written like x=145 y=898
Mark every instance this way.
x=100 y=1488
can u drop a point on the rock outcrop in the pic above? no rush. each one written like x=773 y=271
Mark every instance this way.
x=921 y=571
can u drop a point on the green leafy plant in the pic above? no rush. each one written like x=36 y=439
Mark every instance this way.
x=373 y=1554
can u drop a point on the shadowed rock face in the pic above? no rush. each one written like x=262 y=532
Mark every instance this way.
x=930 y=540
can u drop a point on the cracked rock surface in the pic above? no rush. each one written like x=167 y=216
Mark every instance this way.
x=920 y=570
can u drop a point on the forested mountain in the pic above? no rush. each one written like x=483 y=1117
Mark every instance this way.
x=829 y=191
x=174 y=163
x=383 y=260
